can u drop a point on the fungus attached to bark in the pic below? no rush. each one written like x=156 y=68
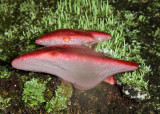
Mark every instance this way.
x=79 y=65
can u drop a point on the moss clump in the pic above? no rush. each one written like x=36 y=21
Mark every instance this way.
x=119 y=49
x=61 y=98
x=4 y=72
x=4 y=103
x=33 y=92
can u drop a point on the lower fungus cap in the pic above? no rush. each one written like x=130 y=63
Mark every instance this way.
x=79 y=65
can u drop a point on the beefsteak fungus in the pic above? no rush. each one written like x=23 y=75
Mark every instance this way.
x=65 y=37
x=79 y=65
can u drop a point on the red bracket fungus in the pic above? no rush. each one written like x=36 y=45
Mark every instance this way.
x=72 y=37
x=65 y=37
x=79 y=65
x=75 y=64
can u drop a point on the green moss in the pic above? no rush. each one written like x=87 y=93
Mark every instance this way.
x=61 y=98
x=33 y=92
x=4 y=72
x=4 y=103
x=119 y=49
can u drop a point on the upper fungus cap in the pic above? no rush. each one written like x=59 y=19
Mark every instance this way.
x=65 y=37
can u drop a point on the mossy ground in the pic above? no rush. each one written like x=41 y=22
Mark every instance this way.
x=135 y=34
